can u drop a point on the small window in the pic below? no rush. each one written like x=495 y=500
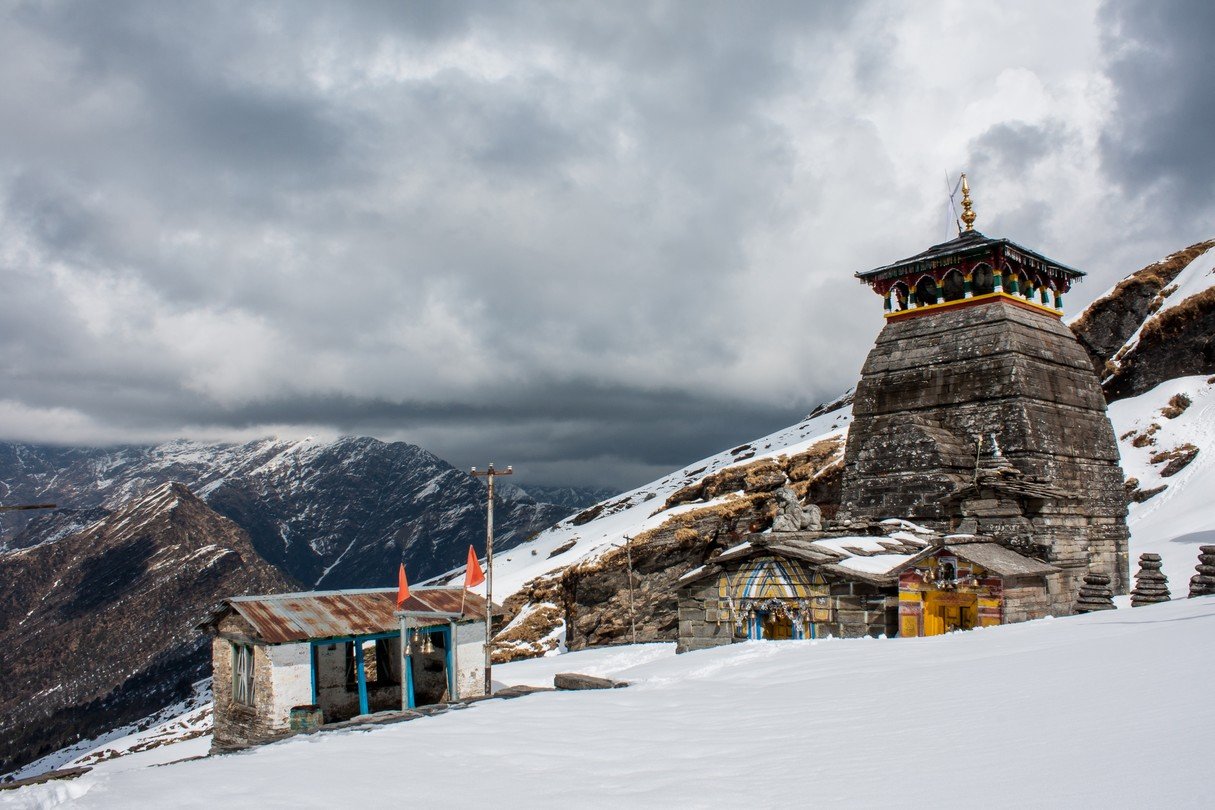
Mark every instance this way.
x=242 y=674
x=984 y=281
x=953 y=287
x=926 y=291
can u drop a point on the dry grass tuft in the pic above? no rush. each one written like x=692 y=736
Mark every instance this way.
x=1177 y=459
x=1176 y=407
x=1174 y=321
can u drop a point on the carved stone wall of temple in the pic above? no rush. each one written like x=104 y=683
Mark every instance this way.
x=1049 y=484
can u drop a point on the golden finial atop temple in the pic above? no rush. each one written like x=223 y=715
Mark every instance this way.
x=968 y=214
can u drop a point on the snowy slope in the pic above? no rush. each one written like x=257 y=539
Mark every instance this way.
x=1176 y=521
x=1056 y=713
x=637 y=510
x=164 y=731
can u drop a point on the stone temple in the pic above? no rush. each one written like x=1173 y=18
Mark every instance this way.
x=978 y=412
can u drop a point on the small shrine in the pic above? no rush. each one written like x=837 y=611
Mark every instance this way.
x=963 y=584
x=793 y=585
x=970 y=270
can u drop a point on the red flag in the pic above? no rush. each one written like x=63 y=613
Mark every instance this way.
x=473 y=575
x=402 y=587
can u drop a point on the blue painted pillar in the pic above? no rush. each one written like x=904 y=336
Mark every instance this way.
x=364 y=708
x=408 y=647
x=312 y=663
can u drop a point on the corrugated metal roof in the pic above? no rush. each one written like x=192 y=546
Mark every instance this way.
x=281 y=618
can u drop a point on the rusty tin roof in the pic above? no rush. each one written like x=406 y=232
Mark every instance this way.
x=288 y=617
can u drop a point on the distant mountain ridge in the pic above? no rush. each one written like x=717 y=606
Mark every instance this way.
x=329 y=514
x=98 y=627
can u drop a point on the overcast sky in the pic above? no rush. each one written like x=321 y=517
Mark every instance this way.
x=594 y=240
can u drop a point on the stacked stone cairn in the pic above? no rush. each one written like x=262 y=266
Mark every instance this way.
x=1095 y=594
x=1151 y=586
x=1203 y=583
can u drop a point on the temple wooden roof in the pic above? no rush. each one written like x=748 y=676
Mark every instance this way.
x=971 y=244
x=998 y=559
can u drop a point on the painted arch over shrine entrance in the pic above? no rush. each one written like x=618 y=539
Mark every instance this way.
x=776 y=598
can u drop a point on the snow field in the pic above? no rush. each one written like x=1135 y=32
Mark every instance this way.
x=1109 y=710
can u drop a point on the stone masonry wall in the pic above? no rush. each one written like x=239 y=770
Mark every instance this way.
x=857 y=609
x=1026 y=599
x=237 y=725
x=699 y=627
x=933 y=385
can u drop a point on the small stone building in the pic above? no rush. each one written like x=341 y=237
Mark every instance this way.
x=338 y=654
x=796 y=585
x=961 y=585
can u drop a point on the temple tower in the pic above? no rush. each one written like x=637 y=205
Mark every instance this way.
x=979 y=412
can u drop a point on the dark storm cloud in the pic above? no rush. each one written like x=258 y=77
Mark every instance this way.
x=606 y=239
x=1015 y=147
x=1160 y=64
x=360 y=218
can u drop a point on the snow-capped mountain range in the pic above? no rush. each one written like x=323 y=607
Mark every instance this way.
x=127 y=547
x=328 y=514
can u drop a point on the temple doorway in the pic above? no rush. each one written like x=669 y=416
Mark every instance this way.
x=945 y=611
x=777 y=626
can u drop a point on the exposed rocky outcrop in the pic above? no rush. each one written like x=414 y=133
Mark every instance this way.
x=591 y=597
x=97 y=627
x=576 y=681
x=1178 y=342
x=1110 y=321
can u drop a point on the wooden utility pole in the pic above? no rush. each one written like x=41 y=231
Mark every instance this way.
x=489 y=570
x=628 y=550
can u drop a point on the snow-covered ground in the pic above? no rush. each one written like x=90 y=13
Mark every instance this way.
x=1103 y=710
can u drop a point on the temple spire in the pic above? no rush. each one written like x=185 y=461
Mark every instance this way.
x=968 y=214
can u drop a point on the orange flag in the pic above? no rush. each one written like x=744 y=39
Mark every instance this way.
x=402 y=587
x=473 y=575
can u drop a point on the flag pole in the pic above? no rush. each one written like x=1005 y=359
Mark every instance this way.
x=489 y=570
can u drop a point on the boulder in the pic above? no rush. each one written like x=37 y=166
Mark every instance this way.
x=572 y=681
